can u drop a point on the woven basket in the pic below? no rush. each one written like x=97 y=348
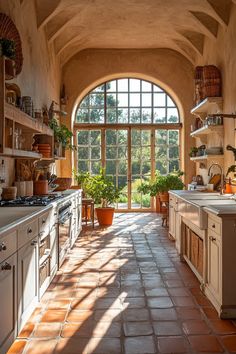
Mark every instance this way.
x=198 y=77
x=8 y=30
x=211 y=81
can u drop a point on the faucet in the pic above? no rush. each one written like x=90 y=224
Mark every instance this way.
x=221 y=176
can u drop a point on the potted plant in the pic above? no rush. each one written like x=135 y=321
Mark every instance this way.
x=193 y=151
x=102 y=189
x=62 y=136
x=8 y=50
x=81 y=179
x=161 y=185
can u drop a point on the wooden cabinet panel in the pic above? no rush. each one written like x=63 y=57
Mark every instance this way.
x=27 y=280
x=172 y=221
x=214 y=264
x=214 y=226
x=8 y=301
x=27 y=232
x=8 y=245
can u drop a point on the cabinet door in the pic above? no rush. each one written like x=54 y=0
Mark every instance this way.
x=172 y=221
x=214 y=264
x=54 y=252
x=27 y=280
x=8 y=301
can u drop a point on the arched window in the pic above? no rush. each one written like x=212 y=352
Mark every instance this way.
x=127 y=101
x=130 y=127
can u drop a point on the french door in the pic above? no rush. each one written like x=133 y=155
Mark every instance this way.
x=130 y=156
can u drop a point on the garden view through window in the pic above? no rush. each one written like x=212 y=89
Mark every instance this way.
x=131 y=128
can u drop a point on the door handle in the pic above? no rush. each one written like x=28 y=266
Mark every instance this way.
x=6 y=266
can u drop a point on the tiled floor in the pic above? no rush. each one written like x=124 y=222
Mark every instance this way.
x=124 y=290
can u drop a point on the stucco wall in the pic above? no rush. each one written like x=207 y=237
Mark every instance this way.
x=222 y=53
x=165 y=67
x=40 y=76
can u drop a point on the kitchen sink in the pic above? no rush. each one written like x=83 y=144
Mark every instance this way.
x=193 y=210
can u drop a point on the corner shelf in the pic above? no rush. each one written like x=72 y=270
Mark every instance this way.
x=206 y=157
x=203 y=107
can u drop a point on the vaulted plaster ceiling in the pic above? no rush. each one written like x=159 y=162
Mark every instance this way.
x=181 y=25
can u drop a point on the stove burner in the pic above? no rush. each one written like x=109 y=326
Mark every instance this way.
x=36 y=200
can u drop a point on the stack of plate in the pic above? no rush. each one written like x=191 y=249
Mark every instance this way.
x=45 y=150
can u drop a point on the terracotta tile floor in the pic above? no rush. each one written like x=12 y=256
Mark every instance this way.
x=124 y=290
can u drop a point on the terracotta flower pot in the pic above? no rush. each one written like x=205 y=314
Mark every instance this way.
x=105 y=216
x=164 y=197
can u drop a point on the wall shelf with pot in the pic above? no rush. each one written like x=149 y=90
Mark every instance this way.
x=17 y=129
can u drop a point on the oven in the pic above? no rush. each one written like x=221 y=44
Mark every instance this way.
x=64 y=229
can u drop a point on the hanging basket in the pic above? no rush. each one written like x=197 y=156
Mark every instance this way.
x=8 y=30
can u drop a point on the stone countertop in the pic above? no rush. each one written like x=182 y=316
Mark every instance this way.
x=211 y=202
x=12 y=217
x=221 y=210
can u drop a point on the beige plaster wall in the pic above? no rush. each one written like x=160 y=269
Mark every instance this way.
x=222 y=53
x=165 y=67
x=40 y=76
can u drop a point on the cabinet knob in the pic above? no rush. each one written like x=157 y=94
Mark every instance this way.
x=6 y=266
x=213 y=226
x=43 y=221
x=3 y=247
x=29 y=230
x=212 y=238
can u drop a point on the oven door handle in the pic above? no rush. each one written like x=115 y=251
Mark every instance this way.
x=62 y=219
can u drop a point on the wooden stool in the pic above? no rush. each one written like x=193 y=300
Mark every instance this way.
x=165 y=213
x=88 y=203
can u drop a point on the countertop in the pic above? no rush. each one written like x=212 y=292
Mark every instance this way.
x=218 y=204
x=12 y=217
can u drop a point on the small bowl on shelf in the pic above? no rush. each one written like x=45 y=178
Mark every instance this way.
x=63 y=183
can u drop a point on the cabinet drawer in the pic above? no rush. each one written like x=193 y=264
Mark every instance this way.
x=214 y=225
x=27 y=232
x=44 y=224
x=8 y=245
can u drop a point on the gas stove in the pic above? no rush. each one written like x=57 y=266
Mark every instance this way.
x=36 y=200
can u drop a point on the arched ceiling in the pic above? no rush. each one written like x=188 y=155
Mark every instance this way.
x=181 y=25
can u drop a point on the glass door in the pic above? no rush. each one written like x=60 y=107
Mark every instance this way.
x=117 y=162
x=141 y=166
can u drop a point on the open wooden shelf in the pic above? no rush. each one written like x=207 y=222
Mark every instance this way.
x=203 y=107
x=21 y=153
x=15 y=114
x=206 y=157
x=207 y=129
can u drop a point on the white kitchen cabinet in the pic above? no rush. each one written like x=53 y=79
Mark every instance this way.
x=214 y=264
x=221 y=274
x=54 y=252
x=8 y=301
x=27 y=280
